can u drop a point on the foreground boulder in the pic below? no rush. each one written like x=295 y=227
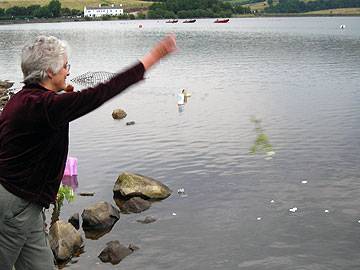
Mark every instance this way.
x=115 y=252
x=131 y=185
x=65 y=240
x=118 y=114
x=99 y=217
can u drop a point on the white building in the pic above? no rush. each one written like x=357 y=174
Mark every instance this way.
x=103 y=11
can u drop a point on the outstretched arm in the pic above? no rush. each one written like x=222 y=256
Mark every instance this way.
x=61 y=109
x=160 y=50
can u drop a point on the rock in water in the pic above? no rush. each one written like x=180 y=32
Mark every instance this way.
x=118 y=114
x=114 y=252
x=74 y=220
x=131 y=185
x=133 y=205
x=100 y=216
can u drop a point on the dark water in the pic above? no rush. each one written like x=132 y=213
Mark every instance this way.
x=300 y=76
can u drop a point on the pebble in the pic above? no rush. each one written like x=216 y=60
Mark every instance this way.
x=326 y=211
x=294 y=209
x=174 y=214
x=259 y=218
x=304 y=182
x=272 y=201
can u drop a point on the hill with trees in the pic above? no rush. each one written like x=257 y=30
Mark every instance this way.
x=297 y=6
x=195 y=9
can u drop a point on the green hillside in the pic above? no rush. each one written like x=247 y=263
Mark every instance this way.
x=77 y=4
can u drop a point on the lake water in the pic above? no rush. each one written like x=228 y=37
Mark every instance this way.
x=300 y=76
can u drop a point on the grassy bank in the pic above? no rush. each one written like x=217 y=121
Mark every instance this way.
x=338 y=11
x=77 y=4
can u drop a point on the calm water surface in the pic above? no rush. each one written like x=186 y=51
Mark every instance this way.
x=300 y=76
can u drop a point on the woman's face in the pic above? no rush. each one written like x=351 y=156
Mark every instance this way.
x=58 y=80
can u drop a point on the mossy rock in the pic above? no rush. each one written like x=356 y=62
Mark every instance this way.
x=131 y=185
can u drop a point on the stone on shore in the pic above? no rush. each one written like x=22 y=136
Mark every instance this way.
x=65 y=240
x=135 y=185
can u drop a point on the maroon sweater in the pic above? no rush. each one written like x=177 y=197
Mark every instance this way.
x=34 y=127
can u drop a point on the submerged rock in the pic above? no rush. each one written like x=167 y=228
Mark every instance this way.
x=65 y=240
x=130 y=185
x=74 y=220
x=100 y=217
x=118 y=114
x=147 y=220
x=115 y=252
x=133 y=205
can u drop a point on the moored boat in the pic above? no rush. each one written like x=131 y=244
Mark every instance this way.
x=189 y=21
x=172 y=21
x=221 y=20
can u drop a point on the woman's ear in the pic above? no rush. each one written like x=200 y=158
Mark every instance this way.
x=50 y=73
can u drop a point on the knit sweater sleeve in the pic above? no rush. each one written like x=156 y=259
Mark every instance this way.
x=62 y=109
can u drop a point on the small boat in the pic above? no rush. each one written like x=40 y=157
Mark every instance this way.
x=221 y=20
x=172 y=21
x=189 y=21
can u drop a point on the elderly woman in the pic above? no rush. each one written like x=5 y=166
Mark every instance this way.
x=34 y=127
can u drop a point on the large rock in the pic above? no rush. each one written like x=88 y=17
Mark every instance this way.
x=115 y=252
x=118 y=114
x=100 y=216
x=131 y=185
x=65 y=240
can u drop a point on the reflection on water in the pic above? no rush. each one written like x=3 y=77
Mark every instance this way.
x=300 y=76
x=71 y=181
x=262 y=143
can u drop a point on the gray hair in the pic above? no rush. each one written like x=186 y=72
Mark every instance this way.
x=43 y=54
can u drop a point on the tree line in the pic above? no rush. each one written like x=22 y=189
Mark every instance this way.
x=195 y=9
x=297 y=6
x=51 y=10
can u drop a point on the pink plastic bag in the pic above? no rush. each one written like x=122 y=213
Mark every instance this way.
x=71 y=166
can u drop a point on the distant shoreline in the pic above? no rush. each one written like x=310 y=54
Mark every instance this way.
x=59 y=20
